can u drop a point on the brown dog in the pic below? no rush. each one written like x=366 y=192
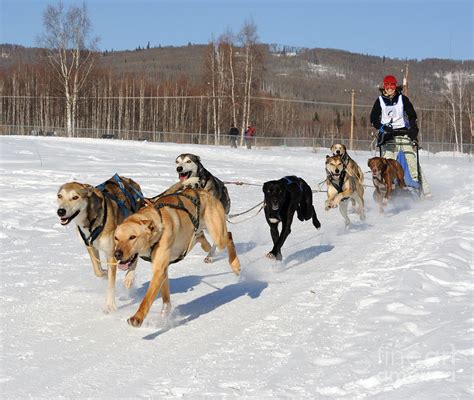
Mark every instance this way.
x=166 y=230
x=341 y=187
x=384 y=171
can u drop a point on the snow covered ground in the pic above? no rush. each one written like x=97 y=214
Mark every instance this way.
x=382 y=310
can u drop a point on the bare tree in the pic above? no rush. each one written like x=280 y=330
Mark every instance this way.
x=455 y=95
x=248 y=38
x=68 y=54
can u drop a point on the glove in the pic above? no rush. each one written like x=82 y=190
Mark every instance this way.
x=385 y=135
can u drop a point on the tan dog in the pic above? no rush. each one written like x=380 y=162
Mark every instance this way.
x=97 y=211
x=352 y=167
x=166 y=230
x=342 y=186
x=384 y=171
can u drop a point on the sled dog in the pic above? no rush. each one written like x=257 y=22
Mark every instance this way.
x=191 y=173
x=342 y=186
x=351 y=166
x=97 y=211
x=283 y=198
x=384 y=172
x=165 y=231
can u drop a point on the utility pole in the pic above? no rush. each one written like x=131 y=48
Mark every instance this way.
x=405 y=80
x=352 y=92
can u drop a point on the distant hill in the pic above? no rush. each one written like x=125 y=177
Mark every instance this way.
x=304 y=74
x=316 y=80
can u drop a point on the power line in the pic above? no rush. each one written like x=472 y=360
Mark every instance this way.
x=202 y=97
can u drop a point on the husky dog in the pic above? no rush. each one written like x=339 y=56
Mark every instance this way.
x=342 y=186
x=165 y=231
x=97 y=211
x=351 y=166
x=192 y=174
x=190 y=166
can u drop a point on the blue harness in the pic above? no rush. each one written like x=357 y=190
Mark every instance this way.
x=124 y=210
x=132 y=198
x=293 y=179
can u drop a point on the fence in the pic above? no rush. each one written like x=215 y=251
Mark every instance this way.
x=211 y=139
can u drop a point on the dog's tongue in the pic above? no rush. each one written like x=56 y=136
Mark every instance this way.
x=123 y=266
x=182 y=177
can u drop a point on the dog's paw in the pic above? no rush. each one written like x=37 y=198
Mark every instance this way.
x=129 y=279
x=385 y=201
x=192 y=183
x=235 y=265
x=135 y=321
x=166 y=309
x=110 y=308
x=272 y=256
x=208 y=260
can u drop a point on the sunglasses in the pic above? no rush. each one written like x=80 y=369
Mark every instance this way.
x=390 y=85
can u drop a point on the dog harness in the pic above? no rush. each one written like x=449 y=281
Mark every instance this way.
x=134 y=201
x=293 y=179
x=97 y=230
x=180 y=206
x=337 y=184
x=345 y=159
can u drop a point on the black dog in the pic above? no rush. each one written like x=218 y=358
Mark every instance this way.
x=282 y=199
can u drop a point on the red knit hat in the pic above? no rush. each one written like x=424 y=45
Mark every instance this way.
x=390 y=79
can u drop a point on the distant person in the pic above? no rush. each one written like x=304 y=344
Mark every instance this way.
x=234 y=134
x=249 y=134
x=395 y=117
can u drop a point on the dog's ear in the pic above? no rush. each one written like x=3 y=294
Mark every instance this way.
x=148 y=224
x=344 y=148
x=265 y=186
x=89 y=190
x=198 y=159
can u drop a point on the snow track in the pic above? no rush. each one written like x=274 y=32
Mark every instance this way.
x=382 y=310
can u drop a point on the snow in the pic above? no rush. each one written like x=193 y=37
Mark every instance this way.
x=382 y=310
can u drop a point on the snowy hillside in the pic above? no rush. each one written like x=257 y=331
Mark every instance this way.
x=382 y=310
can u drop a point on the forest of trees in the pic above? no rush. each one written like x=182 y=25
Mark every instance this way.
x=68 y=86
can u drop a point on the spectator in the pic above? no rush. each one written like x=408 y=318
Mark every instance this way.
x=233 y=134
x=249 y=134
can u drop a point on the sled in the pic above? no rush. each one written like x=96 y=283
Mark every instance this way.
x=414 y=185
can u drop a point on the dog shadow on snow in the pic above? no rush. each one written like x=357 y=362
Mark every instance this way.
x=210 y=302
x=302 y=256
x=177 y=285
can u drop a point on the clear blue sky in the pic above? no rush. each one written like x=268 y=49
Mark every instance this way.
x=397 y=28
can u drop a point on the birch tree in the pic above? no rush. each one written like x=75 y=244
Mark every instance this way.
x=455 y=95
x=69 y=51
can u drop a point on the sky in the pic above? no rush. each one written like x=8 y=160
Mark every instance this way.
x=413 y=29
x=382 y=310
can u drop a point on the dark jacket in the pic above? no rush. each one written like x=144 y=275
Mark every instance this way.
x=411 y=128
x=234 y=131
